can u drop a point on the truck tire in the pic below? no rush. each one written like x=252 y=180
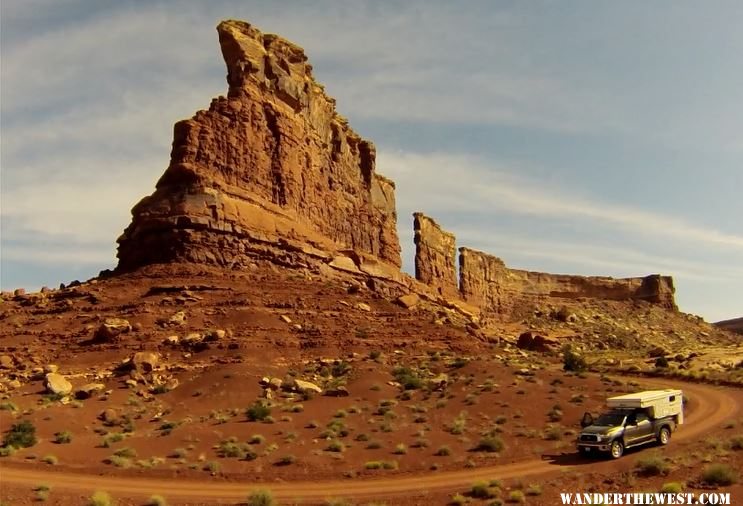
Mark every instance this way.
x=664 y=435
x=617 y=449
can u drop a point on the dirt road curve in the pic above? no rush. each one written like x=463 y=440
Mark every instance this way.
x=713 y=406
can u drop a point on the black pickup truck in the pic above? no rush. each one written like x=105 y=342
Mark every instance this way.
x=619 y=429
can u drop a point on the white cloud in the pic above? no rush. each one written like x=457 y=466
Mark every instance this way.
x=465 y=183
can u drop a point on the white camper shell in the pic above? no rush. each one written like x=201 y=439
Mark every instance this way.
x=659 y=403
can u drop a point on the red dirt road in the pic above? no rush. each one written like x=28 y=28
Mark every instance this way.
x=713 y=406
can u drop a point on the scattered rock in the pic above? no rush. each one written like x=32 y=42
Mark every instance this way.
x=6 y=362
x=439 y=382
x=145 y=361
x=408 y=301
x=339 y=391
x=89 y=390
x=18 y=292
x=51 y=368
x=285 y=318
x=172 y=340
x=57 y=384
x=657 y=351
x=274 y=383
x=109 y=416
x=363 y=306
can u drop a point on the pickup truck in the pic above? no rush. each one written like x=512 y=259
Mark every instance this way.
x=633 y=420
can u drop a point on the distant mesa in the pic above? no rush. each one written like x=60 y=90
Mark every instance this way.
x=734 y=325
x=272 y=172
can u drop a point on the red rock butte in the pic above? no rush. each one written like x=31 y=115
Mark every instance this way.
x=272 y=173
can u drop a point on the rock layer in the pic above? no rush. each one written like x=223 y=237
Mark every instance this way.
x=268 y=171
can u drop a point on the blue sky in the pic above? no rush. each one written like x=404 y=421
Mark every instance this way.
x=583 y=137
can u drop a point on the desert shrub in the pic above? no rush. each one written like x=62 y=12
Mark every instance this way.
x=128 y=453
x=481 y=490
x=261 y=498
x=459 y=424
x=336 y=446
x=516 y=496
x=101 y=498
x=652 y=465
x=362 y=437
x=373 y=464
x=122 y=462
x=401 y=449
x=8 y=406
x=458 y=500
x=212 y=467
x=259 y=411
x=459 y=362
x=256 y=439
x=490 y=444
x=571 y=361
x=661 y=362
x=553 y=433
x=534 y=490
x=374 y=445
x=21 y=435
x=52 y=460
x=408 y=378
x=736 y=443
x=672 y=488
x=63 y=437
x=375 y=354
x=719 y=474
x=336 y=502
x=157 y=500
x=390 y=464
x=286 y=460
x=501 y=419
x=341 y=368
x=443 y=451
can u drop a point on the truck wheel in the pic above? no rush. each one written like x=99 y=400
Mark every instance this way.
x=664 y=435
x=617 y=449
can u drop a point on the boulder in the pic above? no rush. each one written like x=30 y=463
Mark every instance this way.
x=536 y=342
x=363 y=306
x=111 y=329
x=305 y=386
x=57 y=384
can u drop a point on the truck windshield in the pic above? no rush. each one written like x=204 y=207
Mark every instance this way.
x=610 y=419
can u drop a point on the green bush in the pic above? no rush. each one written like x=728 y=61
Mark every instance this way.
x=516 y=496
x=672 y=488
x=736 y=443
x=652 y=465
x=490 y=444
x=481 y=490
x=259 y=411
x=719 y=474
x=101 y=498
x=661 y=362
x=571 y=361
x=157 y=500
x=408 y=378
x=443 y=451
x=21 y=435
x=261 y=498
x=63 y=437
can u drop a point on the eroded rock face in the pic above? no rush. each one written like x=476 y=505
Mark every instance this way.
x=270 y=171
x=435 y=255
x=486 y=282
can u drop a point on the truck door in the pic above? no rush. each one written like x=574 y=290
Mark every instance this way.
x=631 y=430
x=644 y=427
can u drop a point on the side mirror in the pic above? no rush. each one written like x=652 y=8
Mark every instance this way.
x=586 y=420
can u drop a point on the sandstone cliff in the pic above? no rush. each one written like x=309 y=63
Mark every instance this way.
x=270 y=170
x=435 y=256
x=486 y=282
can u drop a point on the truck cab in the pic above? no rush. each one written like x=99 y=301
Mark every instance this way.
x=632 y=420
